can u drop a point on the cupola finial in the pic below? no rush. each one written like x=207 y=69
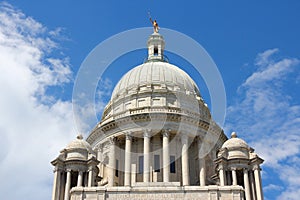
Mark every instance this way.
x=154 y=24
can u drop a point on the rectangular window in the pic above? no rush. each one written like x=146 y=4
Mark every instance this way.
x=155 y=51
x=117 y=168
x=172 y=164
x=156 y=163
x=141 y=164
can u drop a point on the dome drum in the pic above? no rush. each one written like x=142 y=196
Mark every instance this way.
x=77 y=154
x=238 y=153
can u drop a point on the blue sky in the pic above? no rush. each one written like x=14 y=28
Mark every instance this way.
x=43 y=43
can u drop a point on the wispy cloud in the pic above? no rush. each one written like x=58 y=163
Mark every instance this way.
x=33 y=129
x=266 y=115
x=89 y=112
x=272 y=187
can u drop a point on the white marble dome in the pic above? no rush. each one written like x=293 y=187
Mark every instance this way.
x=155 y=86
x=155 y=74
x=236 y=147
x=79 y=143
x=78 y=149
x=235 y=142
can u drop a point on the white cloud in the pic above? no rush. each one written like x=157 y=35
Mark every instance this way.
x=267 y=116
x=103 y=93
x=272 y=187
x=89 y=112
x=33 y=129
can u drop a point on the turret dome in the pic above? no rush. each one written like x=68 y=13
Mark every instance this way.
x=236 y=147
x=235 y=142
x=79 y=143
x=78 y=149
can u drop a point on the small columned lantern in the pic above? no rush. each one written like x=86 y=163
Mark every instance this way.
x=76 y=166
x=237 y=164
x=156 y=46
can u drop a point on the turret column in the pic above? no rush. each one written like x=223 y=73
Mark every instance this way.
x=68 y=185
x=252 y=184
x=247 y=186
x=79 y=180
x=258 y=187
x=56 y=184
x=221 y=175
x=234 y=178
x=91 y=178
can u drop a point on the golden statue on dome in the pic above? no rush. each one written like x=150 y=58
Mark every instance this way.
x=154 y=24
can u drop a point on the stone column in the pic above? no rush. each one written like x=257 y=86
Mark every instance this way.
x=127 y=160
x=146 y=156
x=185 y=161
x=252 y=184
x=258 y=186
x=85 y=179
x=221 y=176
x=202 y=172
x=247 y=186
x=79 y=180
x=112 y=162
x=133 y=174
x=91 y=177
x=56 y=185
x=228 y=178
x=234 y=178
x=166 y=156
x=68 y=185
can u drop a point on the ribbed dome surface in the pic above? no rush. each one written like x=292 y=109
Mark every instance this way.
x=156 y=73
x=79 y=143
x=235 y=143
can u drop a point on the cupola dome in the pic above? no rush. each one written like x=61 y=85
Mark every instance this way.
x=236 y=147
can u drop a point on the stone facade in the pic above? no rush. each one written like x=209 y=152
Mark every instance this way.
x=157 y=192
x=156 y=140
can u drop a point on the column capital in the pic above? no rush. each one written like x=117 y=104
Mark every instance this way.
x=68 y=170
x=220 y=167
x=147 y=133
x=184 y=138
x=128 y=136
x=57 y=169
x=99 y=147
x=200 y=138
x=256 y=167
x=165 y=132
x=90 y=168
x=112 y=140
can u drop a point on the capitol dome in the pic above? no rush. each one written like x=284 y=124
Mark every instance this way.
x=155 y=84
